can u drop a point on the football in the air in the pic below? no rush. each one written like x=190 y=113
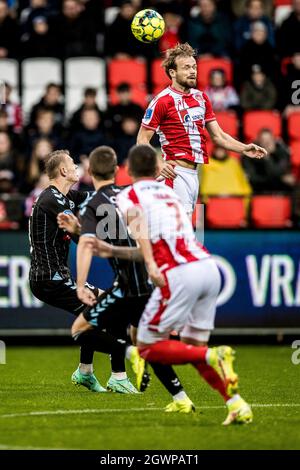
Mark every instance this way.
x=148 y=26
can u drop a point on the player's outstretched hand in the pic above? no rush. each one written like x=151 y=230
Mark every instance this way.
x=100 y=248
x=254 y=151
x=167 y=170
x=155 y=275
x=68 y=222
x=86 y=296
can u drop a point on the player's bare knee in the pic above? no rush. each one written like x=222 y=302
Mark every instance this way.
x=80 y=325
x=195 y=336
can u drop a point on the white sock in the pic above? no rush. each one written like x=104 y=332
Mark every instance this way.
x=119 y=375
x=129 y=350
x=180 y=395
x=86 y=368
x=233 y=399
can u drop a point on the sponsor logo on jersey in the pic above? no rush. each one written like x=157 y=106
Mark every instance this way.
x=148 y=114
x=68 y=211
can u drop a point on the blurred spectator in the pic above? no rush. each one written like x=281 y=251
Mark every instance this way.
x=119 y=42
x=7 y=186
x=14 y=110
x=16 y=140
x=10 y=160
x=273 y=172
x=44 y=127
x=9 y=33
x=221 y=95
x=255 y=11
x=257 y=50
x=89 y=102
x=88 y=137
x=85 y=181
x=210 y=32
x=125 y=108
x=40 y=185
x=288 y=38
x=51 y=101
x=224 y=176
x=126 y=138
x=289 y=91
x=171 y=36
x=40 y=41
x=259 y=92
x=75 y=32
x=34 y=9
x=41 y=149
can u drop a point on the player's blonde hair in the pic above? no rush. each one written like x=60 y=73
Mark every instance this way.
x=53 y=162
x=180 y=50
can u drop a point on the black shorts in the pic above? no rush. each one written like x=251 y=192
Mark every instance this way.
x=60 y=294
x=114 y=311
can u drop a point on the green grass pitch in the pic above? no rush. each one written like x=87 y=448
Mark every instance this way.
x=41 y=409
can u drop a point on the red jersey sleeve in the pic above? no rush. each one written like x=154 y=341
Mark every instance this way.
x=209 y=113
x=154 y=114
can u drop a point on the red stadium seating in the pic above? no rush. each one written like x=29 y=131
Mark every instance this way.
x=206 y=65
x=132 y=71
x=122 y=176
x=159 y=77
x=229 y=122
x=226 y=212
x=254 y=121
x=271 y=211
x=293 y=125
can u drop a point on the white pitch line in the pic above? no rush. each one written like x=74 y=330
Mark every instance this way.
x=13 y=447
x=126 y=410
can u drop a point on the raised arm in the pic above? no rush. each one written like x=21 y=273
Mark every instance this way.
x=222 y=139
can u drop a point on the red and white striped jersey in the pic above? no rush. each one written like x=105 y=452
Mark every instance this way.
x=170 y=231
x=179 y=119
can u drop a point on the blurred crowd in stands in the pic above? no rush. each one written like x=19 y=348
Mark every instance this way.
x=259 y=39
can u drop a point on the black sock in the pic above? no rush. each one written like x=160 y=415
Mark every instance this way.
x=100 y=341
x=117 y=360
x=167 y=377
x=86 y=355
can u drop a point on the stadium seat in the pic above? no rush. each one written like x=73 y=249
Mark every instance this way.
x=295 y=158
x=36 y=74
x=41 y=71
x=132 y=71
x=85 y=72
x=284 y=64
x=9 y=72
x=293 y=126
x=159 y=77
x=81 y=73
x=254 y=121
x=271 y=211
x=122 y=176
x=206 y=65
x=229 y=122
x=281 y=13
x=226 y=212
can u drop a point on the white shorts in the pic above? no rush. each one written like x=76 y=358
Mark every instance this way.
x=186 y=186
x=187 y=304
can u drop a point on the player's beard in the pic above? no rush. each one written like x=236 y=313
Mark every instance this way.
x=187 y=83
